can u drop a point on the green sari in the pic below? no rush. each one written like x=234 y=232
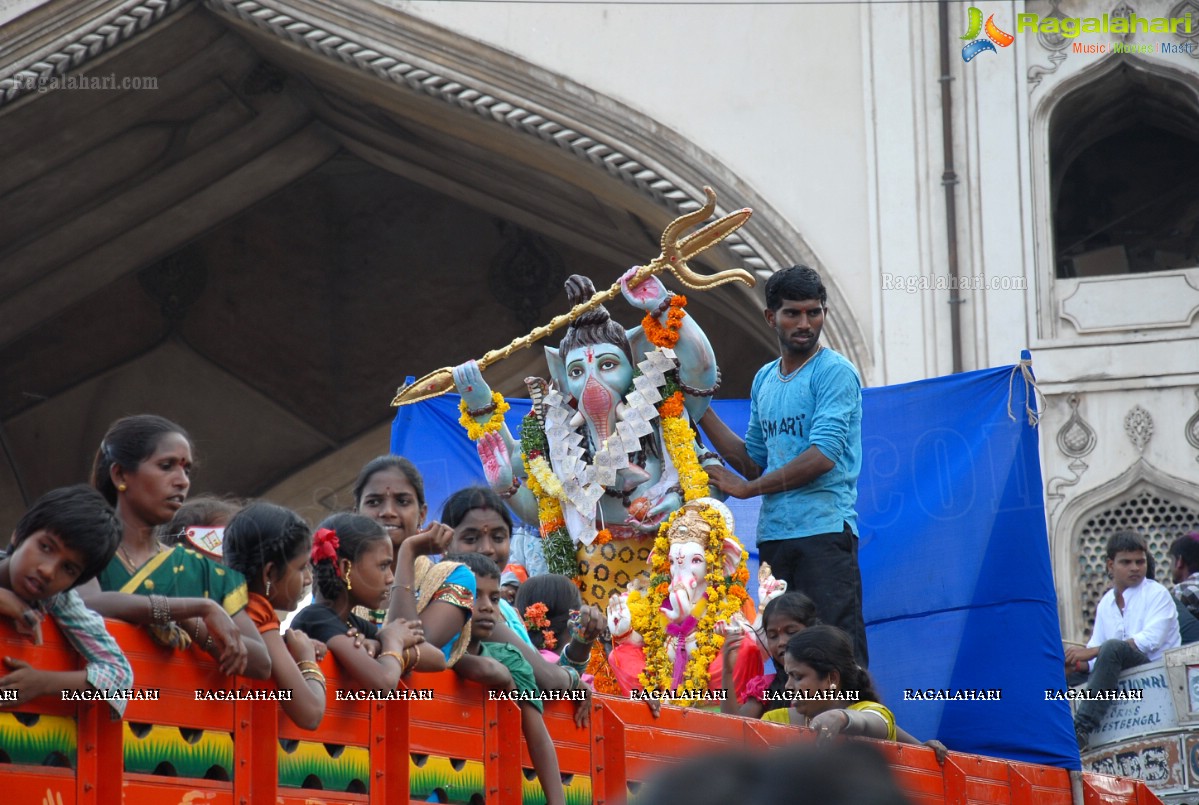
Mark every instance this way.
x=179 y=573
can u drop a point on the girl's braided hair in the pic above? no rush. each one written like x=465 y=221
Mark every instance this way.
x=354 y=533
x=263 y=533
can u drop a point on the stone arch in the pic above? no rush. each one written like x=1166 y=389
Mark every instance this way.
x=1075 y=111
x=1142 y=498
x=262 y=97
x=369 y=42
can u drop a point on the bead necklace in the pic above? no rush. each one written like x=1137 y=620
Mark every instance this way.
x=787 y=378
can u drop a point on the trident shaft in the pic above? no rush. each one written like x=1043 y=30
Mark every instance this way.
x=676 y=251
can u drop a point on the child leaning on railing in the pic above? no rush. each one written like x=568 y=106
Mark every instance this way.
x=64 y=540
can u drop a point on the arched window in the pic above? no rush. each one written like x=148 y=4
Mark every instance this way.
x=1159 y=516
x=1124 y=157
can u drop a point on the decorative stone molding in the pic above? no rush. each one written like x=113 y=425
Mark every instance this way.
x=1138 y=424
x=100 y=36
x=1055 y=488
x=1100 y=304
x=1182 y=9
x=1076 y=438
x=472 y=78
x=428 y=80
x=621 y=144
x=1192 y=428
x=1057 y=45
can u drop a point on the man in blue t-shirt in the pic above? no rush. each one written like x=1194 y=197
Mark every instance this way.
x=803 y=453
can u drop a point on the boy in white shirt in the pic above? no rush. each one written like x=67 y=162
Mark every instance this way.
x=1135 y=622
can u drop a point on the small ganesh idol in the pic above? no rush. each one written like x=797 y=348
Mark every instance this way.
x=627 y=658
x=608 y=452
x=697 y=590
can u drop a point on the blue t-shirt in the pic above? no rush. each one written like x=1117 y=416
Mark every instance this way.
x=822 y=407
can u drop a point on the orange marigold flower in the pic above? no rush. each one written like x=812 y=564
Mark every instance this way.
x=535 y=615
x=603 y=537
x=666 y=336
x=672 y=406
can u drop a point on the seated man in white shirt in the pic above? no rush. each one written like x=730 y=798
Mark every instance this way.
x=1135 y=622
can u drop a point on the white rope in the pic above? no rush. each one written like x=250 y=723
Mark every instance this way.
x=1034 y=401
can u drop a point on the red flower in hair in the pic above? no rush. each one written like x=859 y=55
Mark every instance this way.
x=324 y=546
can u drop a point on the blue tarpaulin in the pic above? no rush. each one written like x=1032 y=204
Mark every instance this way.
x=958 y=587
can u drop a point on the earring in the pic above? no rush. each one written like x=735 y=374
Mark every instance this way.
x=349 y=584
x=268 y=588
x=833 y=686
x=121 y=488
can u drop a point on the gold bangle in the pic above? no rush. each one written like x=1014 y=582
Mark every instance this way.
x=309 y=665
x=398 y=657
x=313 y=675
x=415 y=656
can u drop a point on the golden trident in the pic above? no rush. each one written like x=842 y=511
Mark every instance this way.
x=675 y=254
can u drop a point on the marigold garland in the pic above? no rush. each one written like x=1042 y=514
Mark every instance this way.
x=672 y=406
x=603 y=681
x=474 y=430
x=558 y=547
x=665 y=336
x=680 y=444
x=724 y=597
x=539 y=468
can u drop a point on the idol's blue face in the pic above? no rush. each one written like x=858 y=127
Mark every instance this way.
x=599 y=376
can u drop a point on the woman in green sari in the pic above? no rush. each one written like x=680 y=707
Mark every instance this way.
x=143 y=468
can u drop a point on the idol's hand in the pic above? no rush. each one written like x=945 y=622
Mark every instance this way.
x=646 y=296
x=468 y=377
x=497 y=463
x=666 y=505
x=647 y=520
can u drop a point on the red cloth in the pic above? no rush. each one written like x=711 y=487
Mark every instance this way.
x=628 y=661
x=749 y=665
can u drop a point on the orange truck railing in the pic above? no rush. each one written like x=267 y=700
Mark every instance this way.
x=621 y=748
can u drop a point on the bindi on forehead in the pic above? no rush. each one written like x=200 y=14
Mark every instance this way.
x=590 y=355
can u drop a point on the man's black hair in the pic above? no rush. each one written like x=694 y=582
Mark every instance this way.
x=1188 y=548
x=1125 y=541
x=80 y=517
x=797 y=283
x=482 y=566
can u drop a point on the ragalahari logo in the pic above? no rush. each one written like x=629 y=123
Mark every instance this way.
x=978 y=45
